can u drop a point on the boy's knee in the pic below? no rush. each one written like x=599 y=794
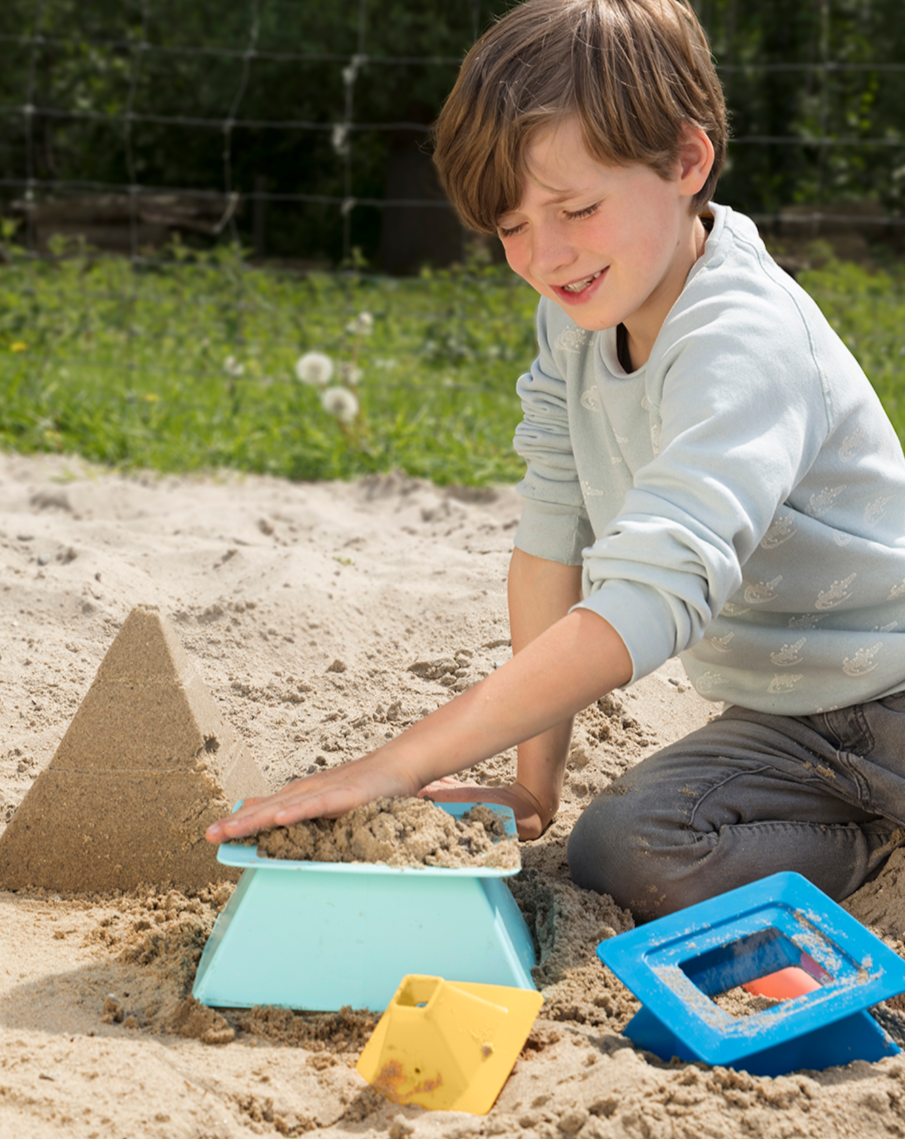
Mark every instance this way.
x=607 y=850
x=643 y=870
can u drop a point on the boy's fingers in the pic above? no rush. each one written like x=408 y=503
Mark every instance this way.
x=323 y=795
x=528 y=819
x=282 y=810
x=450 y=791
x=254 y=815
x=448 y=781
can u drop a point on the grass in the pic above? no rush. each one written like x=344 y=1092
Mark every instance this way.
x=188 y=363
x=867 y=309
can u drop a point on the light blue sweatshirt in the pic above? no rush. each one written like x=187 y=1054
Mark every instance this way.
x=739 y=499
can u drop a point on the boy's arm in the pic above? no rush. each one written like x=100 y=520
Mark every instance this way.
x=540 y=593
x=564 y=669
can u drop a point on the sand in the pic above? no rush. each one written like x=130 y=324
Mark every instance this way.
x=147 y=750
x=321 y=619
x=398 y=832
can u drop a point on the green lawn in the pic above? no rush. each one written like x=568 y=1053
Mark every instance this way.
x=189 y=363
x=867 y=309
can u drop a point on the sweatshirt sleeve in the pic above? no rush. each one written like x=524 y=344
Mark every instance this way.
x=740 y=418
x=554 y=522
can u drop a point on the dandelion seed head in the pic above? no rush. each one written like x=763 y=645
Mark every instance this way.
x=232 y=367
x=350 y=375
x=341 y=403
x=362 y=325
x=314 y=368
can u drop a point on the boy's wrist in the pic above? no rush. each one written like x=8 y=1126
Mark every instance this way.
x=542 y=766
x=546 y=806
x=546 y=800
x=416 y=760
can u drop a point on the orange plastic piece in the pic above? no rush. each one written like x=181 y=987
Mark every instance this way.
x=783 y=985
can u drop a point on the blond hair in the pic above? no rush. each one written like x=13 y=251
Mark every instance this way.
x=633 y=71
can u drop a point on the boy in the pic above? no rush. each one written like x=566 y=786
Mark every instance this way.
x=708 y=473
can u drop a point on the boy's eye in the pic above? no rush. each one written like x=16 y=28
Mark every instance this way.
x=573 y=215
x=585 y=213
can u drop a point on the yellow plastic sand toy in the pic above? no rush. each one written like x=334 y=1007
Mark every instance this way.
x=446 y=1045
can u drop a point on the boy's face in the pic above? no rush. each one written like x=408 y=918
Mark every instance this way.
x=609 y=244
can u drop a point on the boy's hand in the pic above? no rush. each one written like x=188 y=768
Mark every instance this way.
x=531 y=819
x=326 y=794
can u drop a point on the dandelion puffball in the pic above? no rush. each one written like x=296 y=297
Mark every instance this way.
x=362 y=325
x=350 y=375
x=341 y=403
x=232 y=367
x=314 y=368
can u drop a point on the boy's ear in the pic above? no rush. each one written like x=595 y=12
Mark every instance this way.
x=695 y=159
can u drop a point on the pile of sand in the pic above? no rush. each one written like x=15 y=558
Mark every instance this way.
x=321 y=620
x=398 y=832
x=148 y=751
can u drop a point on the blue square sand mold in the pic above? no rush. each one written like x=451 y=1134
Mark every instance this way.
x=675 y=965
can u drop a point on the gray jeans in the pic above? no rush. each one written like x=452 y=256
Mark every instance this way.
x=748 y=795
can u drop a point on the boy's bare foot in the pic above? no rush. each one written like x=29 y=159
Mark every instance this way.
x=530 y=819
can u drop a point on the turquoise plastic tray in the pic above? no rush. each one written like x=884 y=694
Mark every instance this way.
x=323 y=935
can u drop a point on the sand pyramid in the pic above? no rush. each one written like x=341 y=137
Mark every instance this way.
x=146 y=764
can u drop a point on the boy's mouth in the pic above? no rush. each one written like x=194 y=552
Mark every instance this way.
x=578 y=286
x=579 y=292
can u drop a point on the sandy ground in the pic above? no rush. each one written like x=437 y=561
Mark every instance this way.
x=304 y=608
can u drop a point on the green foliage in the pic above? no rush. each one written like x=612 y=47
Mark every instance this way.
x=191 y=365
x=867 y=309
x=816 y=70
x=176 y=61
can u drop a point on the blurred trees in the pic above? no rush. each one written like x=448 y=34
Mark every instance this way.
x=815 y=91
x=220 y=94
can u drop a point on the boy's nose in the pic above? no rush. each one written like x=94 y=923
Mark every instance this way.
x=550 y=252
